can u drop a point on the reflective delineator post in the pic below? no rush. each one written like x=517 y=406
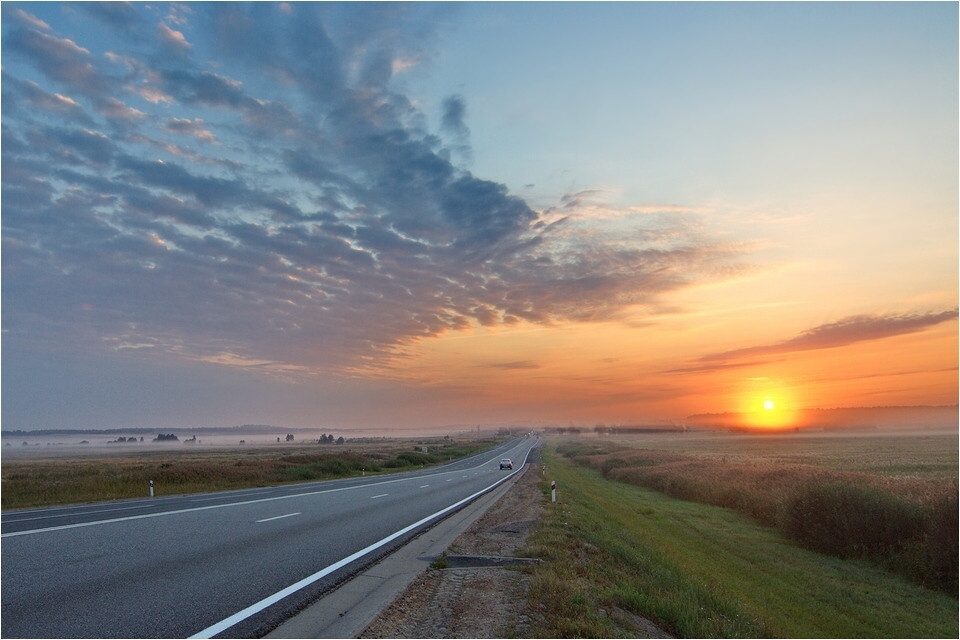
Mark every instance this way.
x=151 y=488
x=553 y=490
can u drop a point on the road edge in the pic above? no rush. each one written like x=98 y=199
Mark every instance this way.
x=346 y=611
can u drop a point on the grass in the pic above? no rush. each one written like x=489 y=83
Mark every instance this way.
x=90 y=478
x=905 y=522
x=702 y=571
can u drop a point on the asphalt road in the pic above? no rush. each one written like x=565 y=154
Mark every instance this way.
x=233 y=563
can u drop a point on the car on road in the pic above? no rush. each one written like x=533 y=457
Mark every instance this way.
x=506 y=463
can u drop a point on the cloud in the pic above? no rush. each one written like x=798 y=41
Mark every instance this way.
x=713 y=367
x=173 y=38
x=453 y=123
x=60 y=59
x=194 y=128
x=119 y=15
x=847 y=331
x=22 y=92
x=27 y=18
x=515 y=365
x=327 y=230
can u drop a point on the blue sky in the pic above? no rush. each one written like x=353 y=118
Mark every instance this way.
x=380 y=215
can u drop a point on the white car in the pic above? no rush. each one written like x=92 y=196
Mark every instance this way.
x=506 y=463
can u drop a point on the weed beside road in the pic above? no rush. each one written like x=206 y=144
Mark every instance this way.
x=702 y=571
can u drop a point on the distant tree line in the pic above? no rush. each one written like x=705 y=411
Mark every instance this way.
x=166 y=437
x=329 y=439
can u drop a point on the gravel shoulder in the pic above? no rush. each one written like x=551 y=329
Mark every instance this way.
x=476 y=602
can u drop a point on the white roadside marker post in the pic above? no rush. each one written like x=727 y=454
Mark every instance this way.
x=151 y=488
x=553 y=490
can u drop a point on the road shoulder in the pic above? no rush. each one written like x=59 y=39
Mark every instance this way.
x=348 y=610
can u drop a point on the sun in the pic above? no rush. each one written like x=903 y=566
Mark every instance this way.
x=768 y=405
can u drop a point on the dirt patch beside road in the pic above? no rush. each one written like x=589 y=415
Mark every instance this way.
x=483 y=602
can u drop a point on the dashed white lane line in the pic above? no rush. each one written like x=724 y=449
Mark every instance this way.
x=382 y=495
x=289 y=515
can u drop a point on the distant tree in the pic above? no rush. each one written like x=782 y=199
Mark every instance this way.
x=340 y=440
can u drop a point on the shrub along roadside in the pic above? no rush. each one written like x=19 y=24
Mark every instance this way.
x=908 y=527
x=695 y=570
x=852 y=521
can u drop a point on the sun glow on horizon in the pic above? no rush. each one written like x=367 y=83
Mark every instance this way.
x=769 y=404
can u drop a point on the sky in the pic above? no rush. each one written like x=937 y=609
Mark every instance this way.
x=390 y=216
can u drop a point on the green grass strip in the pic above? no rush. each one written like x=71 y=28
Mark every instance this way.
x=704 y=571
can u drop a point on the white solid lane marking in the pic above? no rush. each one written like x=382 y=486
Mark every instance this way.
x=278 y=517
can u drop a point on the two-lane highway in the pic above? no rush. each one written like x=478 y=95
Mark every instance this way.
x=205 y=564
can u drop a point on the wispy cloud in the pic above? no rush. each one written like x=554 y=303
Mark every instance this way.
x=847 y=331
x=514 y=365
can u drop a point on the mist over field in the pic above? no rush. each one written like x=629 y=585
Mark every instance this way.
x=65 y=443
x=845 y=422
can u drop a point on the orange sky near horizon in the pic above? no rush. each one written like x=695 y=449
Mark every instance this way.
x=582 y=373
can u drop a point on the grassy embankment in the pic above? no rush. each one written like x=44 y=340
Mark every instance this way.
x=699 y=570
x=890 y=499
x=30 y=483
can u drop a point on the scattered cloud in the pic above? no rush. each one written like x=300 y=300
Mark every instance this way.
x=173 y=38
x=30 y=19
x=119 y=15
x=326 y=230
x=194 y=128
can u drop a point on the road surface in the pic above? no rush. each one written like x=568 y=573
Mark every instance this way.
x=234 y=563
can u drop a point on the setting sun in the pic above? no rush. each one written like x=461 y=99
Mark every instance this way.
x=768 y=405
